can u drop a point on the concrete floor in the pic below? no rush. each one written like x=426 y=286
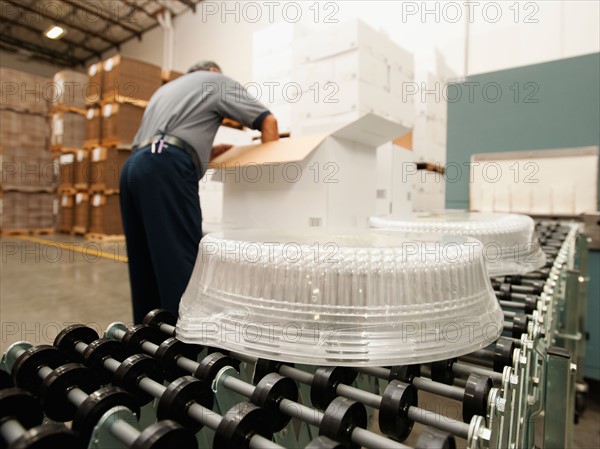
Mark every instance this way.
x=45 y=285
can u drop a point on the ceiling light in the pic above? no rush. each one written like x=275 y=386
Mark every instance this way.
x=54 y=32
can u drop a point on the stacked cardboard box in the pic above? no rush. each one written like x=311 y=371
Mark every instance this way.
x=170 y=75
x=81 y=213
x=105 y=215
x=93 y=127
x=120 y=122
x=129 y=78
x=66 y=211
x=28 y=173
x=106 y=165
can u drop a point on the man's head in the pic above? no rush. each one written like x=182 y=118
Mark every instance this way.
x=206 y=66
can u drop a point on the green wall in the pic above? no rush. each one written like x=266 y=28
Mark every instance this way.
x=550 y=105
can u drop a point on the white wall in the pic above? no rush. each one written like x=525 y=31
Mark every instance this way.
x=564 y=28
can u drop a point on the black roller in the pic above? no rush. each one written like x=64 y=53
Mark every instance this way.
x=70 y=336
x=48 y=436
x=169 y=351
x=520 y=322
x=157 y=317
x=5 y=380
x=268 y=394
x=503 y=353
x=341 y=417
x=210 y=366
x=325 y=382
x=97 y=404
x=475 y=401
x=98 y=351
x=25 y=368
x=262 y=367
x=405 y=373
x=240 y=424
x=441 y=371
x=132 y=370
x=21 y=405
x=175 y=402
x=57 y=384
x=165 y=435
x=135 y=336
x=397 y=398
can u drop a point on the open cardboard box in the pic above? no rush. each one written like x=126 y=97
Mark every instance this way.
x=315 y=180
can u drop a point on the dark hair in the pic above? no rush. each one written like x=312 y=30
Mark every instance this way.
x=205 y=66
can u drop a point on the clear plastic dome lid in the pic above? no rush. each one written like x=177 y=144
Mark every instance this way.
x=340 y=298
x=509 y=243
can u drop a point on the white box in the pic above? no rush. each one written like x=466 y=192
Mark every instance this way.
x=394 y=184
x=317 y=180
x=334 y=39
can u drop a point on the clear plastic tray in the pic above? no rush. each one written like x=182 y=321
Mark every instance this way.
x=510 y=245
x=340 y=298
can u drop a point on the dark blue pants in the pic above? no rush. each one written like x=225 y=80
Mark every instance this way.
x=163 y=226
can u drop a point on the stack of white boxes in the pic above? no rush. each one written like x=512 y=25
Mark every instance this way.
x=429 y=137
x=332 y=76
x=272 y=62
x=347 y=70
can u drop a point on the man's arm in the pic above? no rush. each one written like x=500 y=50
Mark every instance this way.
x=269 y=130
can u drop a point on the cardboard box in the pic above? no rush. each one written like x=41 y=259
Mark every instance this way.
x=105 y=214
x=81 y=214
x=105 y=168
x=68 y=130
x=93 y=92
x=66 y=170
x=129 y=78
x=170 y=75
x=24 y=92
x=93 y=127
x=27 y=132
x=27 y=171
x=27 y=210
x=81 y=170
x=317 y=180
x=70 y=88
x=120 y=123
x=66 y=212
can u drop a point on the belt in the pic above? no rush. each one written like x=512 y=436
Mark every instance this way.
x=173 y=141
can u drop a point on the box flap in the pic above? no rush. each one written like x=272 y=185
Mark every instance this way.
x=371 y=130
x=283 y=150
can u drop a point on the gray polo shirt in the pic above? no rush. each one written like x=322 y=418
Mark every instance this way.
x=192 y=107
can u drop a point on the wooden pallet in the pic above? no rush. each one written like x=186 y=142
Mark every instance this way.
x=66 y=190
x=115 y=144
x=79 y=230
x=116 y=98
x=81 y=186
x=34 y=231
x=104 y=237
x=430 y=166
x=100 y=187
x=67 y=108
x=91 y=144
x=59 y=149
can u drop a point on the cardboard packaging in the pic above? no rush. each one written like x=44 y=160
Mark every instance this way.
x=129 y=78
x=25 y=210
x=28 y=132
x=81 y=215
x=93 y=127
x=66 y=212
x=70 y=88
x=120 y=122
x=66 y=171
x=105 y=214
x=93 y=92
x=81 y=170
x=331 y=176
x=24 y=92
x=169 y=75
x=68 y=130
x=105 y=168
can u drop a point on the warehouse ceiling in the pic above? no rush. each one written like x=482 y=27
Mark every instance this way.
x=91 y=27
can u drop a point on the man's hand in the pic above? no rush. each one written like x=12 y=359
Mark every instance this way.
x=218 y=150
x=269 y=130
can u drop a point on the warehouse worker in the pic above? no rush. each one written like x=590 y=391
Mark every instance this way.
x=159 y=182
